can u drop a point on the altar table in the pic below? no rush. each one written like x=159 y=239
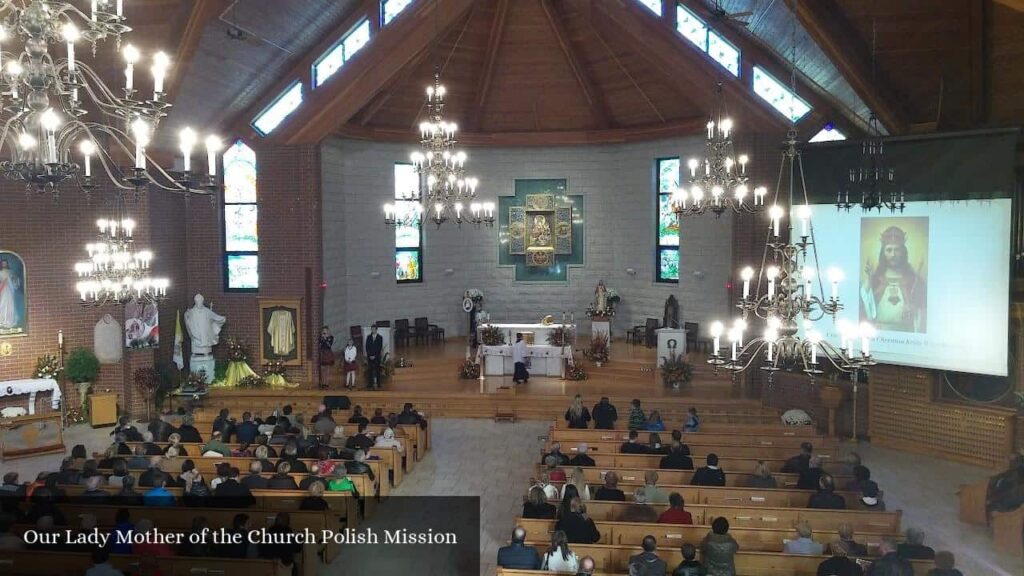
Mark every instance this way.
x=540 y=331
x=32 y=386
x=544 y=360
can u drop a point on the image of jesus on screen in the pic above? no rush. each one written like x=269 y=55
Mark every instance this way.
x=894 y=281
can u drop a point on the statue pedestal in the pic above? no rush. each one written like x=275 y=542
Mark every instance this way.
x=600 y=325
x=204 y=363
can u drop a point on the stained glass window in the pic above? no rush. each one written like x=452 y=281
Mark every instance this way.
x=667 y=232
x=828 y=134
x=392 y=8
x=707 y=40
x=342 y=52
x=274 y=114
x=241 y=232
x=409 y=229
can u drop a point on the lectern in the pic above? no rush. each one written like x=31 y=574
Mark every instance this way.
x=102 y=409
x=972 y=503
x=1008 y=531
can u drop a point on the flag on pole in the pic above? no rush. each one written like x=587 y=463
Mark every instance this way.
x=179 y=341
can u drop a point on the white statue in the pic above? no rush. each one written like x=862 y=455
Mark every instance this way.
x=601 y=298
x=203 y=326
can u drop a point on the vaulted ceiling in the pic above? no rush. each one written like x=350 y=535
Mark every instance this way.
x=574 y=71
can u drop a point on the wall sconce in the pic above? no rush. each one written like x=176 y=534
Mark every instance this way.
x=631 y=271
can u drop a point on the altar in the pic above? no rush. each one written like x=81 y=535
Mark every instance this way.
x=540 y=331
x=32 y=386
x=544 y=360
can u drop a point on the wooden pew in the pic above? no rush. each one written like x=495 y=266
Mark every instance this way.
x=736 y=496
x=615 y=558
x=727 y=463
x=595 y=475
x=574 y=436
x=751 y=539
x=388 y=457
x=271 y=501
x=766 y=453
x=783 y=430
x=32 y=563
x=862 y=521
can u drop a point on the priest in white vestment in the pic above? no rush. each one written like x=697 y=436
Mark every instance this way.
x=520 y=376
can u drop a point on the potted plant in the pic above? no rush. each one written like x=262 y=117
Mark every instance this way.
x=492 y=336
x=675 y=370
x=575 y=371
x=469 y=370
x=147 y=380
x=599 y=349
x=82 y=367
x=560 y=337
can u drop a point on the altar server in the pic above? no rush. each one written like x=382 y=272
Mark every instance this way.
x=520 y=376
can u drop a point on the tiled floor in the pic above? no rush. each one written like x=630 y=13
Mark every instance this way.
x=495 y=461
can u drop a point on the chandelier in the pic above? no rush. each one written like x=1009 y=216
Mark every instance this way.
x=872 y=180
x=793 y=298
x=450 y=195
x=117 y=271
x=718 y=182
x=46 y=102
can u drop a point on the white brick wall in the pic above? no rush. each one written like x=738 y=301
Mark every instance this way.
x=617 y=182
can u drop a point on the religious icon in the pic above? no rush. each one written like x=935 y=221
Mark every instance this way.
x=894 y=283
x=540 y=232
x=13 y=299
x=141 y=325
x=280 y=331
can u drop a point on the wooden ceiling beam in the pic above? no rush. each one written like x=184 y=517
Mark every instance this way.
x=829 y=28
x=483 y=85
x=190 y=31
x=598 y=108
x=385 y=96
x=676 y=128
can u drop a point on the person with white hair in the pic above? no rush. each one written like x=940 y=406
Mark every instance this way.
x=803 y=544
x=914 y=548
x=518 y=555
x=576 y=478
x=388 y=440
x=581 y=458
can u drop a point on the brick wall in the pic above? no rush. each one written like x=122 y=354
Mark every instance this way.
x=617 y=182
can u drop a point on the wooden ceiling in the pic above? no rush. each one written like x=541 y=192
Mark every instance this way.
x=522 y=72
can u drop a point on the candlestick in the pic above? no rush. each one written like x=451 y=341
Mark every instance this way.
x=60 y=338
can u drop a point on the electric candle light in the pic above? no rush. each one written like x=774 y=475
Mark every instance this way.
x=88 y=149
x=867 y=332
x=770 y=336
x=746 y=274
x=26 y=141
x=49 y=121
x=740 y=325
x=716 y=334
x=140 y=129
x=711 y=129
x=14 y=69
x=188 y=139
x=771 y=273
x=741 y=193
x=814 y=338
x=808 y=274
x=733 y=337
x=743 y=164
x=161 y=62
x=3 y=36
x=60 y=338
x=697 y=194
x=725 y=127
x=775 y=213
x=131 y=56
x=212 y=146
x=835 y=276
x=693 y=164
x=70 y=33
x=804 y=213
x=843 y=325
x=759 y=193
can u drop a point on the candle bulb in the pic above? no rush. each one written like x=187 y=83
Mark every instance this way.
x=120 y=8
x=835 y=276
x=188 y=140
x=775 y=213
x=804 y=213
x=140 y=129
x=94 y=2
x=88 y=148
x=772 y=272
x=131 y=56
x=60 y=338
x=212 y=146
x=160 y=64
x=711 y=129
x=746 y=274
x=70 y=32
x=716 y=333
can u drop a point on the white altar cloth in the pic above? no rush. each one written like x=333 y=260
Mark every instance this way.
x=32 y=386
x=540 y=331
x=544 y=360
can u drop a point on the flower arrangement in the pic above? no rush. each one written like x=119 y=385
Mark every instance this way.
x=675 y=370
x=608 y=313
x=47 y=366
x=560 y=337
x=599 y=348
x=469 y=370
x=474 y=294
x=237 y=351
x=575 y=371
x=194 y=382
x=252 y=381
x=274 y=368
x=613 y=297
x=492 y=336
x=147 y=380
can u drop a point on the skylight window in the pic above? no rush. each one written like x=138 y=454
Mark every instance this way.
x=274 y=114
x=342 y=52
x=392 y=8
x=828 y=134
x=707 y=40
x=653 y=6
x=781 y=98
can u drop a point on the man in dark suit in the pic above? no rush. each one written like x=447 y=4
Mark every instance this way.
x=610 y=490
x=581 y=458
x=518 y=556
x=374 y=348
x=232 y=494
x=604 y=414
x=710 y=475
x=225 y=424
x=189 y=434
x=632 y=446
x=247 y=431
x=648 y=562
x=677 y=459
x=254 y=481
x=360 y=441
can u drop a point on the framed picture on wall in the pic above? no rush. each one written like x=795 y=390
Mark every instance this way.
x=281 y=331
x=13 y=296
x=141 y=324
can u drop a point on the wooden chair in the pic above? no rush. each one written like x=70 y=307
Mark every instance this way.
x=633 y=334
x=650 y=337
x=403 y=332
x=422 y=329
x=694 y=342
x=436 y=333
